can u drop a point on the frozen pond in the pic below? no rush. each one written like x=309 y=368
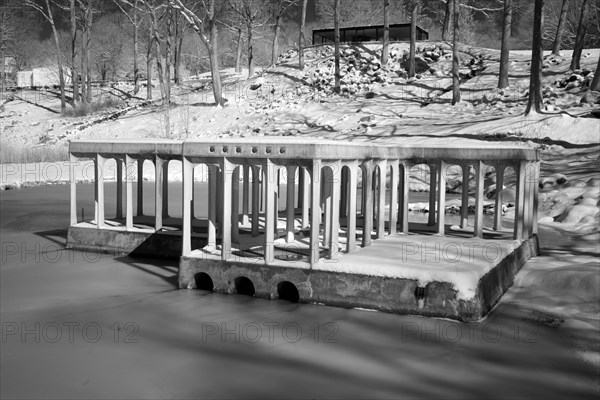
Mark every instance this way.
x=85 y=325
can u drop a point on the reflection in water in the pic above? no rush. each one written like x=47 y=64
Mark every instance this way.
x=78 y=325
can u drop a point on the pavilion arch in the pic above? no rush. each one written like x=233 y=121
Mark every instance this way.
x=421 y=179
x=171 y=199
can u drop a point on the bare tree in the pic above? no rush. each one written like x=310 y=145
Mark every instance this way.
x=336 y=25
x=46 y=11
x=302 y=33
x=560 y=29
x=179 y=28
x=253 y=15
x=386 y=32
x=7 y=34
x=135 y=21
x=505 y=49
x=447 y=21
x=87 y=9
x=74 y=73
x=535 y=102
x=581 y=30
x=211 y=42
x=455 y=61
x=281 y=6
x=414 y=15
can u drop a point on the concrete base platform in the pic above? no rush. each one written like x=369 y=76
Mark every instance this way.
x=453 y=276
x=334 y=284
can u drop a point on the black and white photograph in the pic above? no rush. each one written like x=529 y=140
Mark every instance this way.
x=300 y=199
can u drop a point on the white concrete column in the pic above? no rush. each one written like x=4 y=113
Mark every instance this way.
x=140 y=187
x=380 y=233
x=403 y=190
x=129 y=177
x=213 y=177
x=478 y=229
x=351 y=219
x=368 y=202
x=276 y=195
x=73 y=180
x=270 y=183
x=432 y=193
x=393 y=217
x=187 y=171
x=158 y=193
x=226 y=186
x=528 y=204
x=219 y=200
x=441 y=200
x=315 y=211
x=235 y=205
x=255 y=199
x=520 y=201
x=290 y=193
x=327 y=192
x=165 y=190
x=498 y=201
x=246 y=195
x=464 y=207
x=99 y=209
x=334 y=245
x=536 y=192
x=119 y=189
x=306 y=185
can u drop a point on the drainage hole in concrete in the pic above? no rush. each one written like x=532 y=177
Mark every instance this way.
x=203 y=281
x=244 y=285
x=288 y=291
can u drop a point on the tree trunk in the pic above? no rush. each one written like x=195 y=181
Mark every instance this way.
x=250 y=53
x=455 y=76
x=213 y=51
x=336 y=25
x=83 y=69
x=386 y=32
x=505 y=50
x=160 y=72
x=560 y=29
x=88 y=65
x=149 y=66
x=168 y=57
x=275 y=48
x=413 y=41
x=238 y=52
x=176 y=49
x=595 y=85
x=2 y=73
x=535 y=102
x=446 y=27
x=74 y=74
x=581 y=30
x=136 y=72
x=61 y=76
x=301 y=38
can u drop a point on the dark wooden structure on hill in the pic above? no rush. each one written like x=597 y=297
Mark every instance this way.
x=373 y=33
